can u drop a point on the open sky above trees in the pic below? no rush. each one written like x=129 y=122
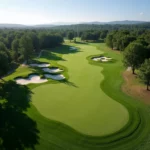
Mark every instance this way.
x=49 y=11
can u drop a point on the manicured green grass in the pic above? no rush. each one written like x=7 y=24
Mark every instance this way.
x=92 y=88
x=83 y=105
x=20 y=71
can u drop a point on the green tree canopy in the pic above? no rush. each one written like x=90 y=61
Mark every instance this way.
x=15 y=49
x=2 y=47
x=26 y=47
x=134 y=55
x=144 y=72
x=4 y=63
x=109 y=40
x=70 y=35
x=35 y=41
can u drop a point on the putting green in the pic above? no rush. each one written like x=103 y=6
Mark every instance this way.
x=81 y=104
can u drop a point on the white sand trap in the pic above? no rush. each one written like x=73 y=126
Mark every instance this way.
x=31 y=79
x=52 y=70
x=103 y=59
x=73 y=48
x=39 y=65
x=55 y=77
x=96 y=59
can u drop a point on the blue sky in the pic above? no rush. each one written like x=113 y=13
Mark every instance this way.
x=48 y=11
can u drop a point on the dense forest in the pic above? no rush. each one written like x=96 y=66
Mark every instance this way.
x=84 y=27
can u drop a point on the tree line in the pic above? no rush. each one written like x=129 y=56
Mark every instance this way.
x=110 y=27
x=17 y=46
x=88 y=35
x=136 y=50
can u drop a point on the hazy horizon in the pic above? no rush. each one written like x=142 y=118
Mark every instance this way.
x=53 y=11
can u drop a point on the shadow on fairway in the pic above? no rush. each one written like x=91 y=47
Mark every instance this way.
x=52 y=56
x=97 y=41
x=77 y=42
x=12 y=69
x=65 y=49
x=69 y=83
x=17 y=130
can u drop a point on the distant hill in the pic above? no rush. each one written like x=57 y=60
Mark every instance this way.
x=3 y=25
x=125 y=22
x=43 y=26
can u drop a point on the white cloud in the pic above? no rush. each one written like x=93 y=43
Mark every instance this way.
x=141 y=13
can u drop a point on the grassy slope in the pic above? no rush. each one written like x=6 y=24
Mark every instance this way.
x=114 y=80
x=83 y=106
x=55 y=136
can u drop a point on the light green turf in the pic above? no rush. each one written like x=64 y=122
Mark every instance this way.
x=20 y=71
x=81 y=104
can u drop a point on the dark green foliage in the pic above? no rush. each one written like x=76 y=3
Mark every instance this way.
x=148 y=51
x=109 y=40
x=144 y=72
x=17 y=130
x=2 y=47
x=119 y=40
x=134 y=55
x=103 y=34
x=15 y=49
x=35 y=41
x=70 y=35
x=4 y=63
x=125 y=41
x=26 y=47
x=49 y=40
x=84 y=27
x=21 y=45
x=90 y=36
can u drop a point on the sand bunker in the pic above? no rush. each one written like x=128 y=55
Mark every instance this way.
x=52 y=70
x=55 y=77
x=73 y=48
x=40 y=65
x=103 y=59
x=31 y=79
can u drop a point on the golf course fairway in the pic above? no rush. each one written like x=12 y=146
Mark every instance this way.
x=81 y=104
x=88 y=110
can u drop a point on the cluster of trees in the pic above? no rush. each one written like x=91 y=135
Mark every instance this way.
x=119 y=39
x=137 y=56
x=70 y=35
x=94 y=35
x=136 y=50
x=144 y=72
x=17 y=129
x=110 y=27
x=17 y=46
x=89 y=35
x=4 y=59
